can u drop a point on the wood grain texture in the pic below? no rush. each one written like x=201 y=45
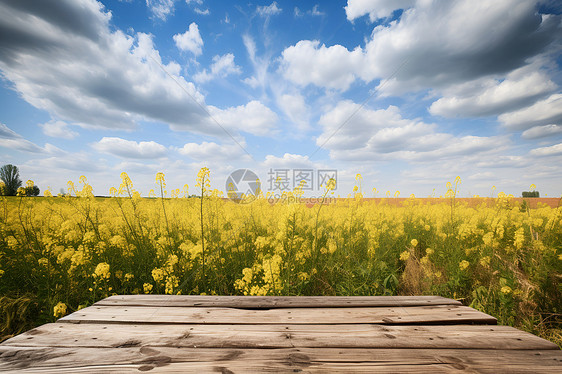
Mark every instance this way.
x=435 y=314
x=307 y=360
x=279 y=336
x=183 y=334
x=269 y=302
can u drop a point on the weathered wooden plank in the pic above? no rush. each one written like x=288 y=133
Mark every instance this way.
x=165 y=359
x=436 y=314
x=280 y=336
x=268 y=302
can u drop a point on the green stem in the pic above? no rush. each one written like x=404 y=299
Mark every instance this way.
x=203 y=234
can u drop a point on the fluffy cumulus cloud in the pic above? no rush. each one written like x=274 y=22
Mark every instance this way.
x=190 y=40
x=130 y=149
x=547 y=111
x=51 y=47
x=210 y=151
x=222 y=66
x=375 y=135
x=254 y=118
x=308 y=62
x=489 y=96
x=58 y=129
x=375 y=8
x=433 y=44
x=53 y=43
x=288 y=161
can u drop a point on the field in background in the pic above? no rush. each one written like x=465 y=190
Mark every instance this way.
x=470 y=201
x=59 y=254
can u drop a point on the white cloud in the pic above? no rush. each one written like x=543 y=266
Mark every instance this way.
x=20 y=144
x=504 y=161
x=295 y=108
x=554 y=150
x=130 y=149
x=161 y=8
x=259 y=64
x=334 y=67
x=269 y=10
x=222 y=66
x=254 y=118
x=59 y=165
x=288 y=161
x=433 y=45
x=488 y=96
x=12 y=140
x=542 y=112
x=450 y=42
x=385 y=135
x=316 y=11
x=126 y=80
x=58 y=129
x=190 y=40
x=375 y=8
x=252 y=82
x=210 y=151
x=542 y=131
x=8 y=133
x=202 y=12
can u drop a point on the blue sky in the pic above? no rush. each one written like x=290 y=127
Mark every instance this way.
x=408 y=93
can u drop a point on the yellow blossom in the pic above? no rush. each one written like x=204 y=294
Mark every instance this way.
x=485 y=261
x=414 y=242
x=102 y=271
x=506 y=289
x=463 y=264
x=59 y=310
x=157 y=274
x=147 y=287
x=405 y=255
x=43 y=262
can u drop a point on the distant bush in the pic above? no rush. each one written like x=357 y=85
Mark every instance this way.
x=32 y=191
x=531 y=194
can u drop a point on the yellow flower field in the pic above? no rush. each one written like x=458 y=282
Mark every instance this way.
x=59 y=254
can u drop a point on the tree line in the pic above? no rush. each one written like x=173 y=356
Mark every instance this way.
x=11 y=184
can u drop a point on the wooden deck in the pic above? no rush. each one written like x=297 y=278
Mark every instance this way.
x=227 y=334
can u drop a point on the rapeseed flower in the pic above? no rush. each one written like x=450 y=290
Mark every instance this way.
x=59 y=310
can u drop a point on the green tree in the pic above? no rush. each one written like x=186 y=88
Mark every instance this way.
x=10 y=175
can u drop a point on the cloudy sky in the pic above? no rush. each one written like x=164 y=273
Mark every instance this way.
x=408 y=93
